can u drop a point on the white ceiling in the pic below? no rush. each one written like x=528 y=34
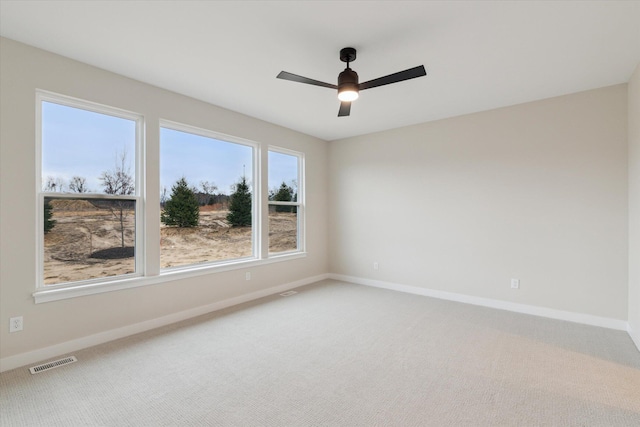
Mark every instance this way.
x=478 y=55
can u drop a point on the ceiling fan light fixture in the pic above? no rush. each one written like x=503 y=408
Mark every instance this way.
x=347 y=95
x=348 y=85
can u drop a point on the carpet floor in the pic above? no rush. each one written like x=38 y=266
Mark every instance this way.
x=338 y=354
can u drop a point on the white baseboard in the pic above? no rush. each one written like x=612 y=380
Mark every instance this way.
x=586 y=319
x=635 y=336
x=57 y=350
x=61 y=349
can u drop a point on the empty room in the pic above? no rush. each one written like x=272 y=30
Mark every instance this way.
x=319 y=213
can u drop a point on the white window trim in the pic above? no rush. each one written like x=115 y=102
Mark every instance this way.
x=46 y=96
x=57 y=293
x=300 y=203
x=141 y=277
x=256 y=193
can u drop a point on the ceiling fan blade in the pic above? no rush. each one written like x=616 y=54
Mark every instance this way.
x=411 y=73
x=345 y=109
x=296 y=78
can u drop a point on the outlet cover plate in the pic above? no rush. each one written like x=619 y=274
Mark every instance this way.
x=15 y=324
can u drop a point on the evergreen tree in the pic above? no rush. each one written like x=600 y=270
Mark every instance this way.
x=49 y=223
x=240 y=205
x=182 y=209
x=284 y=194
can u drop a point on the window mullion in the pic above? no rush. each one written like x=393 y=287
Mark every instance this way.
x=264 y=203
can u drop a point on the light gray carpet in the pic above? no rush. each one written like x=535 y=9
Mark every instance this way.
x=342 y=355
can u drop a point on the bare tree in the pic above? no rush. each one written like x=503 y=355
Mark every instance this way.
x=78 y=184
x=53 y=185
x=163 y=196
x=208 y=188
x=49 y=185
x=119 y=181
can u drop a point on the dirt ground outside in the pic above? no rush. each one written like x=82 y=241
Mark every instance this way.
x=87 y=241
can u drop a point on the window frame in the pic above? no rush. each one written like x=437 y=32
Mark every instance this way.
x=299 y=203
x=147 y=271
x=256 y=194
x=139 y=185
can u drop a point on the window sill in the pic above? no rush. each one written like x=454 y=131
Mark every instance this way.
x=165 y=276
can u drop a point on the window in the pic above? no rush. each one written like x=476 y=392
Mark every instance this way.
x=207 y=197
x=212 y=192
x=89 y=186
x=285 y=201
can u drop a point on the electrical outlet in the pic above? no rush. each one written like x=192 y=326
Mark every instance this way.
x=375 y=265
x=247 y=275
x=515 y=283
x=15 y=324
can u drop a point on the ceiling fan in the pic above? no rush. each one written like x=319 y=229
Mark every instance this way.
x=348 y=86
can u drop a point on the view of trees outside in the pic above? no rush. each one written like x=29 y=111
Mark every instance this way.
x=86 y=154
x=283 y=187
x=49 y=222
x=182 y=208
x=206 y=196
x=119 y=182
x=206 y=199
x=240 y=209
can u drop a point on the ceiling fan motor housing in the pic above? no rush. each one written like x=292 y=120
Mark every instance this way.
x=348 y=85
x=348 y=80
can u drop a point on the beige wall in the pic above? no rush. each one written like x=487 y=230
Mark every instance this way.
x=536 y=191
x=23 y=69
x=634 y=206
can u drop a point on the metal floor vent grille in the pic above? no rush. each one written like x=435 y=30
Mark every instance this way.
x=288 y=293
x=52 y=365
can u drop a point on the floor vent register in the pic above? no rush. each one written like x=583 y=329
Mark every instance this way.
x=52 y=365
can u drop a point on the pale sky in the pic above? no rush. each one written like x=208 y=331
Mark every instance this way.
x=81 y=143
x=200 y=158
x=76 y=142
